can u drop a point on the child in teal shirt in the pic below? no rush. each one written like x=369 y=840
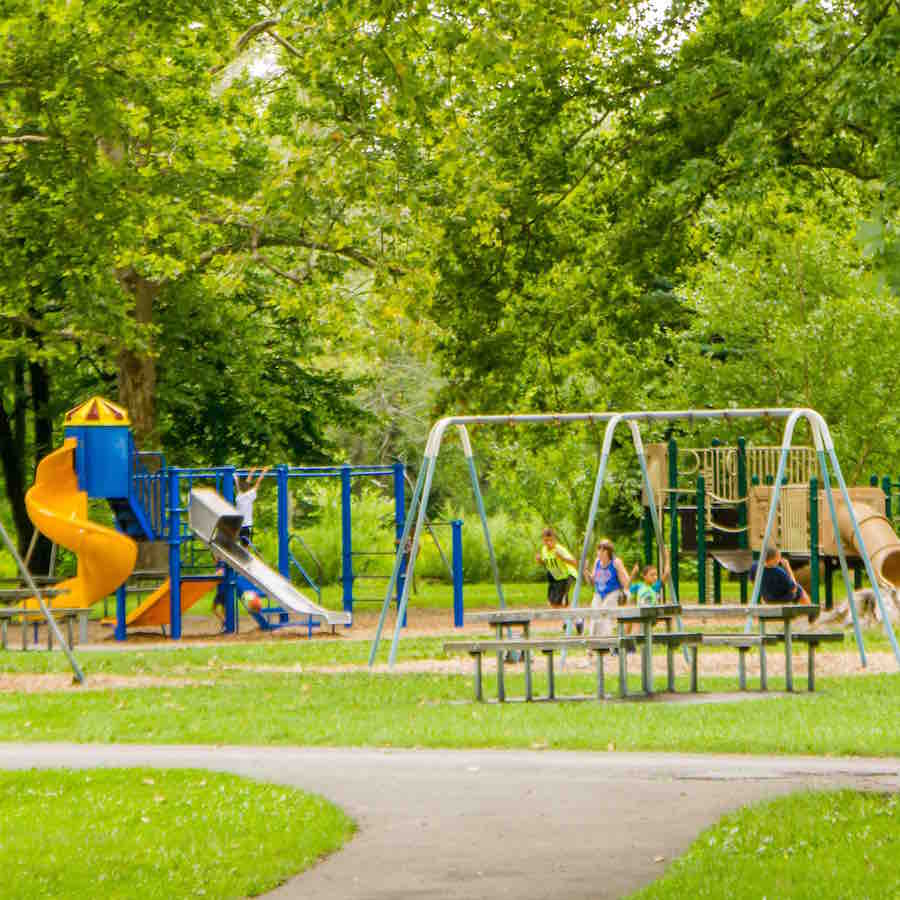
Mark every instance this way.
x=648 y=587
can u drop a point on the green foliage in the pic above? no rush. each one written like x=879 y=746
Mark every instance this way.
x=785 y=316
x=188 y=832
x=808 y=845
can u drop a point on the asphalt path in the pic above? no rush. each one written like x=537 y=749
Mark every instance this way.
x=488 y=824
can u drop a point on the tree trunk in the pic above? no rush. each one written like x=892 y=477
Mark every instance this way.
x=137 y=369
x=43 y=444
x=12 y=459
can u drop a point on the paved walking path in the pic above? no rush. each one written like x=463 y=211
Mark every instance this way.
x=487 y=824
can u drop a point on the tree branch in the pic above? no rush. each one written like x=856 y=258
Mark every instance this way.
x=289 y=47
x=252 y=31
x=25 y=139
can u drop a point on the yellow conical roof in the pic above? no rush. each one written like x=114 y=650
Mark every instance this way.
x=97 y=411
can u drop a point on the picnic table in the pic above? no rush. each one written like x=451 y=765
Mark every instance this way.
x=765 y=613
x=647 y=616
x=34 y=617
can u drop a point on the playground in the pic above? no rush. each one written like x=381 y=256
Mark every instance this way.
x=601 y=734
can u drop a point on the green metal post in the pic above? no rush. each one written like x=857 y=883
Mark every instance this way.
x=701 y=539
x=717 y=581
x=814 y=540
x=743 y=509
x=857 y=578
x=886 y=487
x=829 y=583
x=673 y=514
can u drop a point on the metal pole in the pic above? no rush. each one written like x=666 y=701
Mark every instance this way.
x=399 y=514
x=673 y=514
x=400 y=560
x=647 y=530
x=829 y=496
x=51 y=622
x=413 y=553
x=701 y=539
x=743 y=508
x=592 y=512
x=174 y=555
x=230 y=576
x=870 y=572
x=479 y=502
x=346 y=541
x=773 y=507
x=814 y=540
x=121 y=632
x=456 y=526
x=284 y=521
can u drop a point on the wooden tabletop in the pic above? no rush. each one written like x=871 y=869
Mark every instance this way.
x=520 y=616
x=780 y=611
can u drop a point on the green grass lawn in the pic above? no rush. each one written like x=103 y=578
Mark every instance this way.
x=847 y=716
x=813 y=845
x=157 y=833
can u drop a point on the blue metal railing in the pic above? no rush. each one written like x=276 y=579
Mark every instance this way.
x=316 y=586
x=150 y=489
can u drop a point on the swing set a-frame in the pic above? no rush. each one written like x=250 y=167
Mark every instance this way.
x=409 y=542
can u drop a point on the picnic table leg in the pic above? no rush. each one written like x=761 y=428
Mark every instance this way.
x=479 y=692
x=70 y=631
x=24 y=632
x=788 y=656
x=601 y=687
x=501 y=685
x=647 y=659
x=694 y=678
x=811 y=666
x=742 y=668
x=763 y=673
x=551 y=686
x=49 y=637
x=670 y=667
x=623 y=664
x=3 y=627
x=528 y=694
x=82 y=628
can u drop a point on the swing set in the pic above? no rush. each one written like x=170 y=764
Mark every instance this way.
x=825 y=454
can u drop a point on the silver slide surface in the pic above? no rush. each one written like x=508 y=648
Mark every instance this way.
x=217 y=523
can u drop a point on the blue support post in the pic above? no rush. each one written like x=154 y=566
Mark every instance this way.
x=399 y=522
x=284 y=522
x=230 y=576
x=456 y=526
x=121 y=612
x=346 y=541
x=174 y=555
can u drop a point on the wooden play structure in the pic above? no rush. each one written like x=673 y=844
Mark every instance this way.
x=716 y=503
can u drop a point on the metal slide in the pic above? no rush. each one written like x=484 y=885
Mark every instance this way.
x=217 y=523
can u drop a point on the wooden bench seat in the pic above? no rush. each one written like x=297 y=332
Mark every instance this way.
x=744 y=642
x=600 y=646
x=812 y=639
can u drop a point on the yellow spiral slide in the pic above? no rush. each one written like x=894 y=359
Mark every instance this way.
x=60 y=511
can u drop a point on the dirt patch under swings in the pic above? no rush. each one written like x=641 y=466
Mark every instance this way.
x=36 y=684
